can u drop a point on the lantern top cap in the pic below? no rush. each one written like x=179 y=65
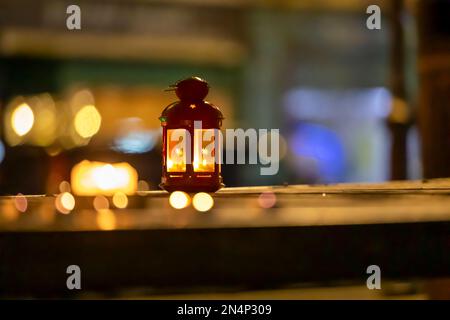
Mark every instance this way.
x=191 y=89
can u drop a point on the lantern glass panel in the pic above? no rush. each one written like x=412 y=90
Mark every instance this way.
x=177 y=142
x=204 y=150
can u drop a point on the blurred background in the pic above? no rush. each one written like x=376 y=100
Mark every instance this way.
x=352 y=104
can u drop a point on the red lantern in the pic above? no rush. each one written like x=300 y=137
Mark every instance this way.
x=191 y=140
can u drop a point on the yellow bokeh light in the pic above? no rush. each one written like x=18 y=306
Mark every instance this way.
x=92 y=178
x=22 y=119
x=87 y=121
x=120 y=200
x=45 y=126
x=68 y=201
x=179 y=199
x=65 y=202
x=202 y=202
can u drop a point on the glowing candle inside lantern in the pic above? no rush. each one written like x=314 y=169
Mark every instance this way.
x=176 y=150
x=204 y=150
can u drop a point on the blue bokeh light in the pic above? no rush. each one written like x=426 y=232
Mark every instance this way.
x=318 y=143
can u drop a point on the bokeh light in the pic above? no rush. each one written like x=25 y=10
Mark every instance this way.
x=65 y=202
x=20 y=202
x=92 y=178
x=81 y=97
x=134 y=137
x=202 y=202
x=44 y=131
x=179 y=199
x=107 y=177
x=22 y=119
x=64 y=186
x=87 y=121
x=142 y=187
x=100 y=203
x=120 y=200
x=320 y=152
x=267 y=199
